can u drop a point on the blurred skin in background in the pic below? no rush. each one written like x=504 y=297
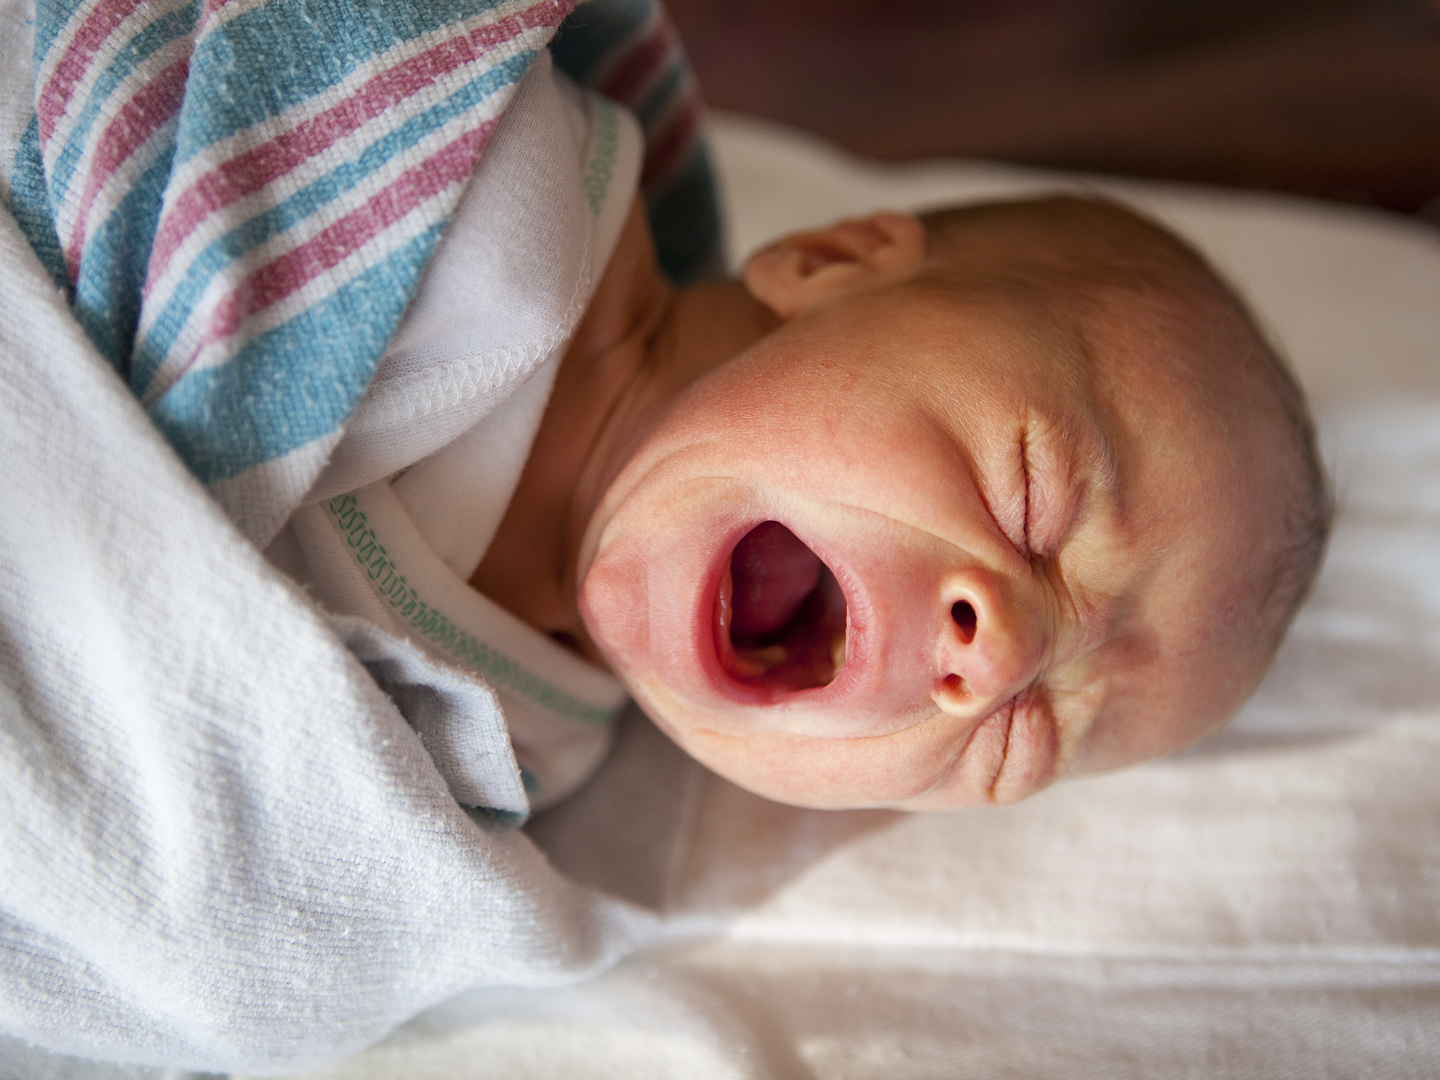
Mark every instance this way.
x=1337 y=99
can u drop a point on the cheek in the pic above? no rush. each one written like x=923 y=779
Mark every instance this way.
x=614 y=604
x=1162 y=707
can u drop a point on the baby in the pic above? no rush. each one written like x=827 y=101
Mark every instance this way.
x=924 y=512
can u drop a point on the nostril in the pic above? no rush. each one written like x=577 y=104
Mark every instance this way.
x=964 y=615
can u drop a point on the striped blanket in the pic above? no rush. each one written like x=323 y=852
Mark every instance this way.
x=239 y=196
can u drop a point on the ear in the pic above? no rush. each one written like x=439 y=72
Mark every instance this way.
x=799 y=272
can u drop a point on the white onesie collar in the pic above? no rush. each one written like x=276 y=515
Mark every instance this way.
x=558 y=706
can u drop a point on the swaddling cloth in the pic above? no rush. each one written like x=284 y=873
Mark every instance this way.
x=417 y=487
x=238 y=199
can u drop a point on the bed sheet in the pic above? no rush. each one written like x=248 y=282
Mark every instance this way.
x=1266 y=904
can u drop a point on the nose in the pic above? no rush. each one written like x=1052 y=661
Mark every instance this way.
x=991 y=641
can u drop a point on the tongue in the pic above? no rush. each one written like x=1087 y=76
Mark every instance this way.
x=771 y=573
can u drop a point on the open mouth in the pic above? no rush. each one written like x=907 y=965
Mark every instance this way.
x=779 y=614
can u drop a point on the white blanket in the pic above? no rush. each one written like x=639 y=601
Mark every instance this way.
x=1265 y=905
x=224 y=846
x=221 y=843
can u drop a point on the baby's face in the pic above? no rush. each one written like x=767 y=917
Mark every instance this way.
x=920 y=551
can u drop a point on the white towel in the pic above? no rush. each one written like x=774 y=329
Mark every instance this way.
x=221 y=845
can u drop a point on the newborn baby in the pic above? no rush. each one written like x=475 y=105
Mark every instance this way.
x=923 y=513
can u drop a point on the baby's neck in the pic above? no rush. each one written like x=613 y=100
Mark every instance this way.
x=639 y=346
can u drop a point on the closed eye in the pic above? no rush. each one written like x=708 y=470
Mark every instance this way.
x=1025 y=545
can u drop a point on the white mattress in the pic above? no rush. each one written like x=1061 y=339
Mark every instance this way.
x=1264 y=905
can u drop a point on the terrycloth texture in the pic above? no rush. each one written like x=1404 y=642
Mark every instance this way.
x=369 y=560
x=223 y=846
x=1264 y=906
x=508 y=283
x=462 y=388
x=230 y=840
x=241 y=195
x=238 y=187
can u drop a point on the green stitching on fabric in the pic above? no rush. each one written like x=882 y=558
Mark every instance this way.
x=601 y=169
x=390 y=584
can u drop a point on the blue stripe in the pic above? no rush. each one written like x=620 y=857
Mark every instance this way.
x=309 y=47
x=112 y=270
x=50 y=18
x=30 y=204
x=159 y=33
x=666 y=90
x=151 y=351
x=592 y=32
x=295 y=383
x=685 y=222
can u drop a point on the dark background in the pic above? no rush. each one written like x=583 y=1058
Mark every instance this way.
x=1338 y=99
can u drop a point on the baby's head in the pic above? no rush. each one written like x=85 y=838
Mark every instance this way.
x=1014 y=488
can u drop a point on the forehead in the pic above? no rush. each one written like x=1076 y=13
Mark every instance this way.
x=1123 y=395
x=1114 y=394
x=1117 y=373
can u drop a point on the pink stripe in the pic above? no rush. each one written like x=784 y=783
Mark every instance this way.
x=144 y=114
x=54 y=98
x=668 y=149
x=640 y=65
x=251 y=170
x=278 y=279
x=211 y=7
